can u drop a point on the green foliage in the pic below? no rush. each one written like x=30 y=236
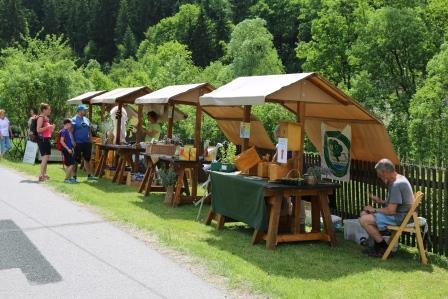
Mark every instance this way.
x=12 y=22
x=429 y=112
x=228 y=153
x=168 y=176
x=39 y=71
x=252 y=51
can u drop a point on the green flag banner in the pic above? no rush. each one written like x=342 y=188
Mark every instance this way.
x=336 y=152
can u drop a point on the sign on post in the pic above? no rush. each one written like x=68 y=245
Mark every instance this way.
x=336 y=152
x=282 y=150
x=30 y=152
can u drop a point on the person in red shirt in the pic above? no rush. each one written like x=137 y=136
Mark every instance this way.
x=44 y=130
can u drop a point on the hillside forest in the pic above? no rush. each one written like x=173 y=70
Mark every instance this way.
x=389 y=55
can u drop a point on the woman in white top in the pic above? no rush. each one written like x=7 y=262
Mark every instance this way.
x=5 y=133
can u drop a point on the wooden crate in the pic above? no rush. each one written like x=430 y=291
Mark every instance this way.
x=247 y=159
x=161 y=149
x=292 y=131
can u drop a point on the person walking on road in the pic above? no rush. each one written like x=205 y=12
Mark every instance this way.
x=5 y=133
x=44 y=130
x=82 y=136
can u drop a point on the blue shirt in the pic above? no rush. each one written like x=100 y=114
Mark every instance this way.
x=67 y=138
x=81 y=129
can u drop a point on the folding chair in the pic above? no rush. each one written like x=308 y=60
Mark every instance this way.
x=410 y=228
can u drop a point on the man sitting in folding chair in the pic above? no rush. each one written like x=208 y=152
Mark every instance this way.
x=399 y=201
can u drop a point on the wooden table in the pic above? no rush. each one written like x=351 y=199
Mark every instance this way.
x=105 y=149
x=274 y=194
x=125 y=158
x=182 y=185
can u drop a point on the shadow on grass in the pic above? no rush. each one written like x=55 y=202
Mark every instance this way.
x=305 y=260
x=310 y=260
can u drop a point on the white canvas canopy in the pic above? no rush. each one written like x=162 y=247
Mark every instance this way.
x=121 y=95
x=323 y=102
x=226 y=117
x=188 y=93
x=85 y=97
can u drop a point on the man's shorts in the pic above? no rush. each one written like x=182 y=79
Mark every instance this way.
x=83 y=150
x=68 y=159
x=383 y=220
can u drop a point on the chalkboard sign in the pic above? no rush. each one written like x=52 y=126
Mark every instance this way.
x=30 y=152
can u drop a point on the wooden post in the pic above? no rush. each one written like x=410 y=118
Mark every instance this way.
x=103 y=109
x=139 y=124
x=90 y=112
x=118 y=137
x=197 y=132
x=170 y=121
x=301 y=121
x=246 y=119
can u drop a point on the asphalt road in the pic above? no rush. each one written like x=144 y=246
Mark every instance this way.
x=53 y=248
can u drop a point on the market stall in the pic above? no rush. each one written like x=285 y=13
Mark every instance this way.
x=317 y=105
x=120 y=98
x=227 y=119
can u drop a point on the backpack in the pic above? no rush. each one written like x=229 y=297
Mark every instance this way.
x=59 y=146
x=33 y=135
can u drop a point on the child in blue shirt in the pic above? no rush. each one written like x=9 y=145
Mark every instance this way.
x=67 y=143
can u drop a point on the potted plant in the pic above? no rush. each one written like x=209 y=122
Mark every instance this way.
x=314 y=174
x=228 y=155
x=168 y=178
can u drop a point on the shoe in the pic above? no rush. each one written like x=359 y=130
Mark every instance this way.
x=75 y=180
x=46 y=177
x=368 y=250
x=69 y=181
x=92 y=178
x=41 y=178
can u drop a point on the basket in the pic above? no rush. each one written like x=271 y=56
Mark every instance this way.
x=161 y=149
x=277 y=172
x=292 y=181
x=247 y=159
x=263 y=169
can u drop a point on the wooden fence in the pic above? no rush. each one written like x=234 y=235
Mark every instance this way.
x=432 y=181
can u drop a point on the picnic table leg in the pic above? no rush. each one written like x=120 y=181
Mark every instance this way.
x=186 y=185
x=101 y=163
x=221 y=221
x=179 y=184
x=274 y=218
x=145 y=179
x=194 y=182
x=117 y=170
x=296 y=215
x=315 y=215
x=257 y=236
x=326 y=215
x=210 y=217
x=152 y=173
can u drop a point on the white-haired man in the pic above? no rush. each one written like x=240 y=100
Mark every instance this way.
x=395 y=207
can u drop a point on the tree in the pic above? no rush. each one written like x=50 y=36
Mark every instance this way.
x=333 y=34
x=282 y=22
x=429 y=112
x=40 y=71
x=51 y=17
x=393 y=50
x=252 y=51
x=122 y=25
x=12 y=22
x=128 y=47
x=201 y=41
x=240 y=9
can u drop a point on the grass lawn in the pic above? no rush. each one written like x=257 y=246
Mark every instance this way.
x=305 y=270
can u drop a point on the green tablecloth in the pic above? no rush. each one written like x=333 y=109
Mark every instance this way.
x=240 y=198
